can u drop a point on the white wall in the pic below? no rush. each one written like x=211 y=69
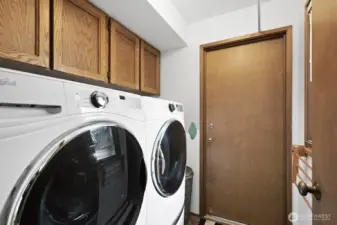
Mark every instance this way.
x=180 y=68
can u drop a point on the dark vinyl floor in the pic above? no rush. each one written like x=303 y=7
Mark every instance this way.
x=197 y=221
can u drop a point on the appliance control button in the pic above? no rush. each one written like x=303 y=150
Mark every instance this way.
x=171 y=107
x=99 y=99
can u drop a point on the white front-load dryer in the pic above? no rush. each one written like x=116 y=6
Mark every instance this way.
x=69 y=153
x=165 y=160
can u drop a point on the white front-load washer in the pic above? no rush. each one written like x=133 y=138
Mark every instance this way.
x=165 y=160
x=70 y=153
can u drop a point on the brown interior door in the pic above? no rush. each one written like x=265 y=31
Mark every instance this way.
x=246 y=130
x=325 y=111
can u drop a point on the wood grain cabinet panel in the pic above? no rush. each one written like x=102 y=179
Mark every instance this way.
x=80 y=39
x=24 y=31
x=124 y=57
x=150 y=69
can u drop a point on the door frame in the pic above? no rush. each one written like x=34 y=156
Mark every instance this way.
x=308 y=5
x=285 y=32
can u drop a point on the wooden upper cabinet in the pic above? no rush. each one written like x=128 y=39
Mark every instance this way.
x=150 y=69
x=24 y=31
x=124 y=57
x=80 y=39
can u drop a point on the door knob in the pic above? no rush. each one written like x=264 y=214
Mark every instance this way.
x=210 y=140
x=304 y=190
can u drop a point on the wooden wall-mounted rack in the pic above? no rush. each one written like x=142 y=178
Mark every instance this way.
x=302 y=167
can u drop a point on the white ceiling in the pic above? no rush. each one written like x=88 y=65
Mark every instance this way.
x=163 y=23
x=196 y=10
x=143 y=18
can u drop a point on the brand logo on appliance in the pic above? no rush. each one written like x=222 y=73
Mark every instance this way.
x=7 y=82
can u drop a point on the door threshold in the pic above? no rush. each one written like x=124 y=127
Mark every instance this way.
x=222 y=220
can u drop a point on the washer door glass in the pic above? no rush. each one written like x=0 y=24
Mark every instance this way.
x=96 y=178
x=169 y=158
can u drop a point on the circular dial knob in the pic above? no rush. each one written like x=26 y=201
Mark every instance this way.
x=171 y=107
x=99 y=99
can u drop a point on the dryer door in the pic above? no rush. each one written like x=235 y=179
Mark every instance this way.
x=94 y=177
x=169 y=158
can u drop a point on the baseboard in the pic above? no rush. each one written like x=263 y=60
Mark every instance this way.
x=194 y=214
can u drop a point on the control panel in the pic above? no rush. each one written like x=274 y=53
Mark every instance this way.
x=83 y=98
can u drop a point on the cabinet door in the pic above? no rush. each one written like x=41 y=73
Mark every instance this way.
x=150 y=69
x=124 y=57
x=24 y=31
x=80 y=39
